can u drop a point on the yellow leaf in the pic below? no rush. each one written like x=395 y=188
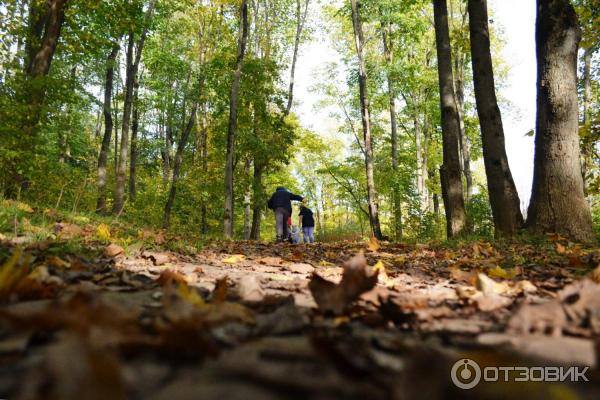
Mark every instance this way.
x=501 y=273
x=374 y=244
x=103 y=232
x=383 y=277
x=189 y=295
x=234 y=259
x=12 y=272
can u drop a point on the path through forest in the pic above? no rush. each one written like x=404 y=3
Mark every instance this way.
x=239 y=320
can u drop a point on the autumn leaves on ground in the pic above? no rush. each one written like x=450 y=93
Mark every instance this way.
x=90 y=311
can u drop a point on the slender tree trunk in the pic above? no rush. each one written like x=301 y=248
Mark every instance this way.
x=133 y=63
x=450 y=172
x=232 y=126
x=503 y=194
x=464 y=140
x=204 y=155
x=134 y=139
x=177 y=166
x=258 y=195
x=587 y=142
x=558 y=202
x=366 y=123
x=421 y=189
x=300 y=20
x=396 y=199
x=247 y=200
x=108 y=126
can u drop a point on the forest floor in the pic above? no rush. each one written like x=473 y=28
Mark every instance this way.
x=84 y=316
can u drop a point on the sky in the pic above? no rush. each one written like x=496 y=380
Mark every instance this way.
x=516 y=20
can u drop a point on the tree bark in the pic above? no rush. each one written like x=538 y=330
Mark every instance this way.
x=204 y=164
x=108 y=126
x=300 y=20
x=134 y=139
x=396 y=199
x=247 y=200
x=450 y=172
x=232 y=126
x=587 y=141
x=177 y=166
x=258 y=204
x=133 y=64
x=503 y=194
x=366 y=123
x=464 y=140
x=558 y=202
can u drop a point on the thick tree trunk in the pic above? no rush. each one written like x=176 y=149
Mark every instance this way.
x=558 y=203
x=108 y=126
x=366 y=123
x=396 y=198
x=450 y=172
x=300 y=20
x=232 y=126
x=133 y=64
x=503 y=194
x=177 y=166
x=44 y=28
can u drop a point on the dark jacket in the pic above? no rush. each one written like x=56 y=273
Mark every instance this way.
x=308 y=220
x=283 y=199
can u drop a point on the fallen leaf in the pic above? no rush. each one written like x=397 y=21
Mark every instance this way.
x=157 y=258
x=383 y=277
x=501 y=273
x=595 y=275
x=542 y=318
x=67 y=231
x=374 y=244
x=250 y=290
x=12 y=272
x=336 y=298
x=234 y=259
x=299 y=268
x=113 y=250
x=560 y=249
x=168 y=277
x=221 y=289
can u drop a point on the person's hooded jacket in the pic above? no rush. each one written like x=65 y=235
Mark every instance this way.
x=282 y=198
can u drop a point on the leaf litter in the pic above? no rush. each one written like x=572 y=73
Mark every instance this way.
x=249 y=319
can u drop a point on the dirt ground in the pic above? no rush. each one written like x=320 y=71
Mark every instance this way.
x=243 y=320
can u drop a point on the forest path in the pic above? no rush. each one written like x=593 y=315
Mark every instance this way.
x=239 y=320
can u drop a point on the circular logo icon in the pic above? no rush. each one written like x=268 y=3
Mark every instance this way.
x=466 y=374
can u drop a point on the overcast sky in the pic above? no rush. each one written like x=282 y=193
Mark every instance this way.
x=516 y=18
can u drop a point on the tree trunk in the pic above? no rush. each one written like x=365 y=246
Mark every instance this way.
x=503 y=194
x=300 y=20
x=177 y=166
x=232 y=126
x=258 y=195
x=247 y=200
x=108 y=126
x=396 y=199
x=450 y=172
x=44 y=28
x=558 y=202
x=133 y=64
x=204 y=163
x=366 y=123
x=587 y=141
x=464 y=140
x=134 y=134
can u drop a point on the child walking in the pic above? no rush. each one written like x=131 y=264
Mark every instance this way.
x=308 y=224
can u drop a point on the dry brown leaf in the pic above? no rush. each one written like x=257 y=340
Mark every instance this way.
x=157 y=258
x=66 y=230
x=221 y=290
x=250 y=290
x=169 y=277
x=595 y=275
x=113 y=250
x=336 y=298
x=374 y=244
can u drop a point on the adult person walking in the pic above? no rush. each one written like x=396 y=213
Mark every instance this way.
x=281 y=203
